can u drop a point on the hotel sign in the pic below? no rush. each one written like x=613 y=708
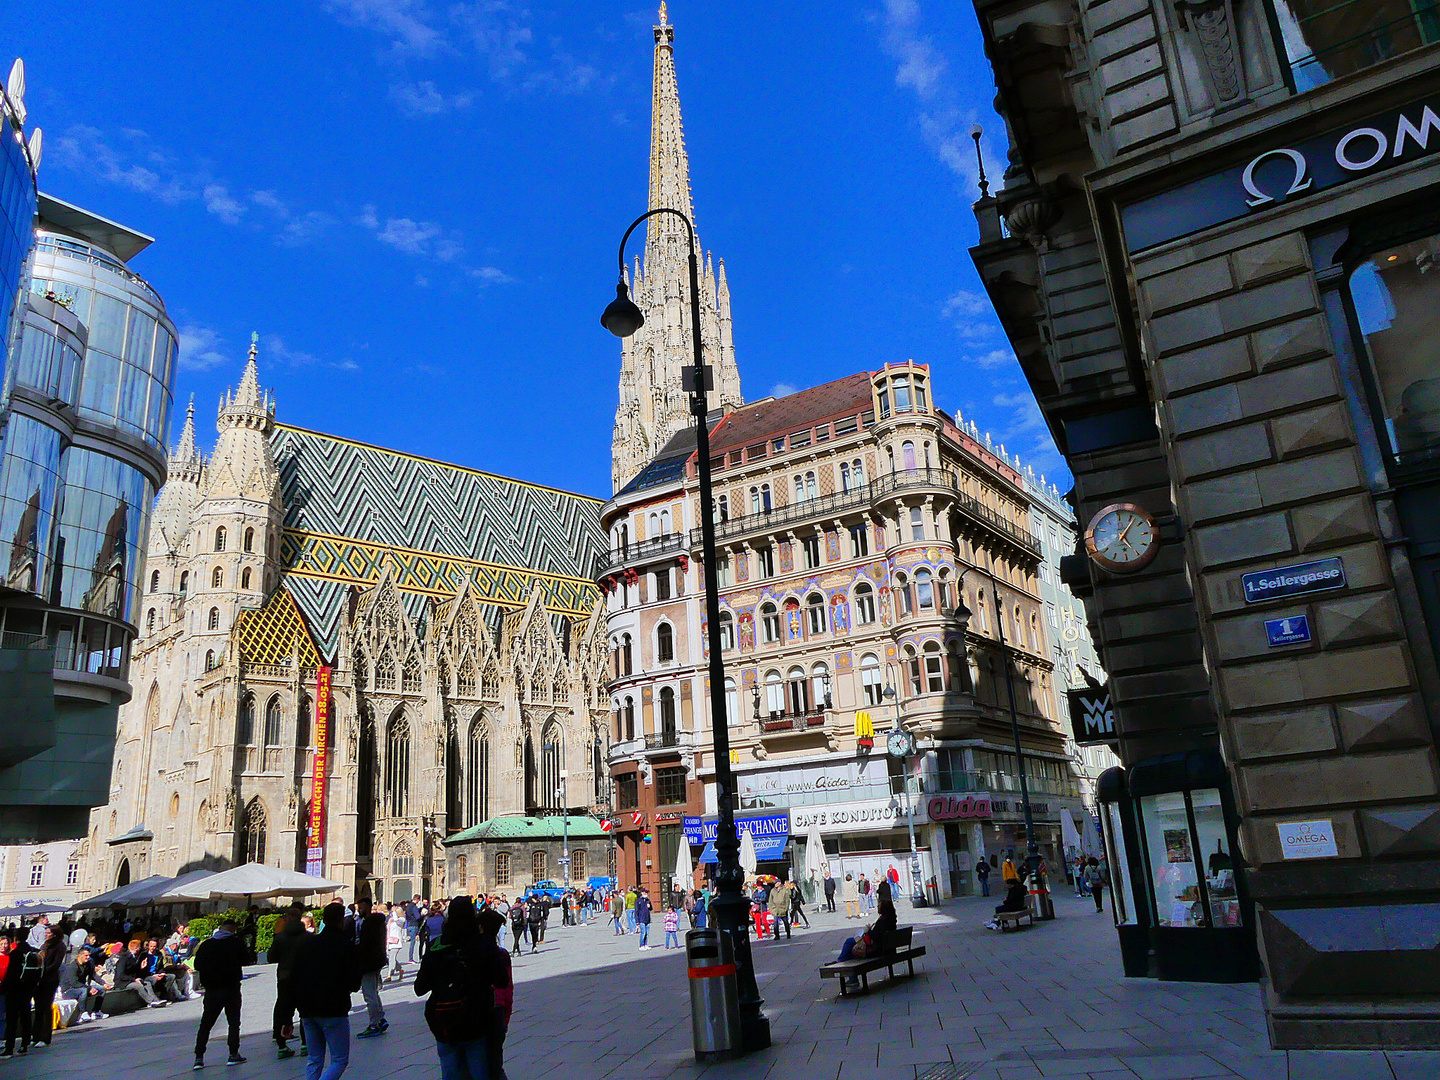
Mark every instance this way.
x=1278 y=173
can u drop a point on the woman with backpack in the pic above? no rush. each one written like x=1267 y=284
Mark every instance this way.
x=467 y=976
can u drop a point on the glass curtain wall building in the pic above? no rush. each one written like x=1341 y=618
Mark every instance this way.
x=84 y=407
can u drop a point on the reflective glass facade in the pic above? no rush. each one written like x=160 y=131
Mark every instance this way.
x=130 y=361
x=17 y=222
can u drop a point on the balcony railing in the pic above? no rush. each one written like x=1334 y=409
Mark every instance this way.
x=772 y=723
x=641 y=549
x=864 y=497
x=662 y=740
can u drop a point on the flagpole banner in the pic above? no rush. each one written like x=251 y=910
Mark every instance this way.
x=315 y=834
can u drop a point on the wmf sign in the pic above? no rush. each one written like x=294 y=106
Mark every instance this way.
x=1092 y=716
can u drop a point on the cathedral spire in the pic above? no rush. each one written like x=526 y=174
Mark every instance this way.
x=653 y=403
x=248 y=392
x=185 y=449
x=669 y=165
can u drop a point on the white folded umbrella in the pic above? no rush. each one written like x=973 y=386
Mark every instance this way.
x=748 y=861
x=684 y=866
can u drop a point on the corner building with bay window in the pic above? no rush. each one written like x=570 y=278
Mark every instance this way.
x=1218 y=267
x=866 y=540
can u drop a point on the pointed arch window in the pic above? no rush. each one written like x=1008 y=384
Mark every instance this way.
x=552 y=764
x=272 y=722
x=245 y=578
x=385 y=670
x=302 y=722
x=465 y=677
x=410 y=676
x=217 y=578
x=397 y=767
x=184 y=581
x=155 y=581
x=214 y=621
x=665 y=643
x=249 y=540
x=253 y=831
x=477 y=775
x=245 y=729
x=150 y=621
x=220 y=538
x=209 y=659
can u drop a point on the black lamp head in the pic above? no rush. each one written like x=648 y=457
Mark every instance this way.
x=622 y=318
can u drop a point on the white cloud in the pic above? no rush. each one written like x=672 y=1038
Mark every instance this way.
x=499 y=34
x=425 y=99
x=367 y=218
x=1026 y=433
x=924 y=70
x=782 y=389
x=408 y=24
x=993 y=359
x=219 y=202
x=408 y=235
x=86 y=150
x=965 y=304
x=491 y=275
x=199 y=348
x=274 y=350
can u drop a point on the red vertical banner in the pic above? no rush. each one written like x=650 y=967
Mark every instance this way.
x=315 y=833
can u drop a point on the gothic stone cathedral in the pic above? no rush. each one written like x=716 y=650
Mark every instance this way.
x=456 y=612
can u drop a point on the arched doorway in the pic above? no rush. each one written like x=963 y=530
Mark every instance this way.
x=122 y=876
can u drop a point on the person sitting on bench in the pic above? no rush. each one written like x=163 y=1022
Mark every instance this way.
x=876 y=939
x=1014 y=901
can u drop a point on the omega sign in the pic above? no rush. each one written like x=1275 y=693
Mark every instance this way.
x=1358 y=150
x=1278 y=173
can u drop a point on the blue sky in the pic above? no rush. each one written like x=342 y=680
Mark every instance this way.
x=416 y=204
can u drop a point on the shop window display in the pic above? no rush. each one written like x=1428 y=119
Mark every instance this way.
x=1191 y=870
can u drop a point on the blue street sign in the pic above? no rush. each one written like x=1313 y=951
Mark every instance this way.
x=1294 y=580
x=1294 y=630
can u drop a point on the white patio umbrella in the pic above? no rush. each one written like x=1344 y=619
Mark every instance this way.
x=814 y=853
x=1069 y=835
x=120 y=894
x=252 y=881
x=684 y=867
x=747 y=852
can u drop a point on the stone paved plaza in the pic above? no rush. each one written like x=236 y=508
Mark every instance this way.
x=1046 y=1002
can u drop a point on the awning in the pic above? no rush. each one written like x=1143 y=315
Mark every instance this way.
x=767 y=849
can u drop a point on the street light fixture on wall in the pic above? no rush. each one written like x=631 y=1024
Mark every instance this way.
x=730 y=907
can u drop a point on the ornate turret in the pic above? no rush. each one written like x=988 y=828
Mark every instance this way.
x=653 y=405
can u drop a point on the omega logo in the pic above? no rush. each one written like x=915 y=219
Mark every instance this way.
x=1357 y=150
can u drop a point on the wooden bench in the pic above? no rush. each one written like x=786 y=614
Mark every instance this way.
x=1014 y=920
x=902 y=952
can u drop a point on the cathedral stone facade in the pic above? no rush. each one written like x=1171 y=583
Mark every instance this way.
x=454 y=615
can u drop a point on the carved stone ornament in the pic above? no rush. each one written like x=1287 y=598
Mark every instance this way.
x=1030 y=219
x=1212 y=22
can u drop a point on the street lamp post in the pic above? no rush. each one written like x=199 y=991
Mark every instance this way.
x=917 y=886
x=564 y=831
x=729 y=908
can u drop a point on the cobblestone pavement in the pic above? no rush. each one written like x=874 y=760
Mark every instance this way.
x=1044 y=1002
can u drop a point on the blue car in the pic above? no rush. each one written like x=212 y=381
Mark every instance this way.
x=551 y=890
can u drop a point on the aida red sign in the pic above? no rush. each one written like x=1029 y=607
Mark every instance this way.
x=950 y=808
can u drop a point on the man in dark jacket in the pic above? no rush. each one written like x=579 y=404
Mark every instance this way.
x=366 y=928
x=325 y=971
x=829 y=893
x=77 y=982
x=220 y=962
x=130 y=974
x=289 y=934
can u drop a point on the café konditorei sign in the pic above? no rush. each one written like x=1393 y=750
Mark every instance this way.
x=1282 y=172
x=1092 y=715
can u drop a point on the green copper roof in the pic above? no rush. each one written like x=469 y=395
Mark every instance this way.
x=516 y=827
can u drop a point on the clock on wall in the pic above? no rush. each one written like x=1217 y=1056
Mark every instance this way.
x=1122 y=538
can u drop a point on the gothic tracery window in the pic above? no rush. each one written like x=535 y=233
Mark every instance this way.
x=252 y=831
x=410 y=676
x=397 y=766
x=477 y=774
x=272 y=721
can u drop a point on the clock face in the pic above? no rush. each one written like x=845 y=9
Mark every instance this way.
x=1122 y=538
x=899 y=744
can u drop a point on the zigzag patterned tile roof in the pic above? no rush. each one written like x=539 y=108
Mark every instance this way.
x=348 y=505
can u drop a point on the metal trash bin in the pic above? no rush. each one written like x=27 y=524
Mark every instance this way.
x=714 y=997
